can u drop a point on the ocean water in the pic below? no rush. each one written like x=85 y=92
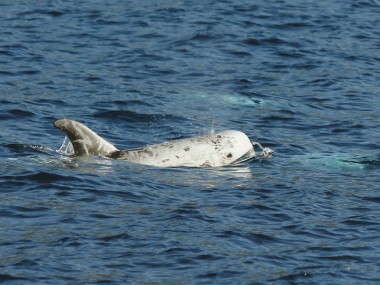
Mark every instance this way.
x=300 y=77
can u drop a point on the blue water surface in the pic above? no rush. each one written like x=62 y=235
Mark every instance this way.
x=300 y=77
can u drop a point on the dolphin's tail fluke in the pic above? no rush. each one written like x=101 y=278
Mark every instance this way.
x=85 y=141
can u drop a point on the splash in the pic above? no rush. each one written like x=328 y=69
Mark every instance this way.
x=266 y=152
x=66 y=147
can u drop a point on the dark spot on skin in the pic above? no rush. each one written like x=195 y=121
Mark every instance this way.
x=218 y=136
x=186 y=148
x=229 y=155
x=115 y=154
x=177 y=156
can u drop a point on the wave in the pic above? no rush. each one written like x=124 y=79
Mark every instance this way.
x=134 y=116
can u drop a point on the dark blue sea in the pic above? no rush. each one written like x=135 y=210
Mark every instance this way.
x=299 y=77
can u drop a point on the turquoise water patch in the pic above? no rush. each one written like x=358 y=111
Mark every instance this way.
x=339 y=161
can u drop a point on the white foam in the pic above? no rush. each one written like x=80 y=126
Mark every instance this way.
x=66 y=147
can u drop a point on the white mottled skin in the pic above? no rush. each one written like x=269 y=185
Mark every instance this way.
x=215 y=150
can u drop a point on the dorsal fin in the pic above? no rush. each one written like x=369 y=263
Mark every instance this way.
x=85 y=141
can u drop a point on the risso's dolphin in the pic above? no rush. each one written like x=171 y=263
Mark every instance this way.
x=212 y=150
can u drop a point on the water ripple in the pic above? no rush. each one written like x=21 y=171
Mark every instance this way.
x=292 y=76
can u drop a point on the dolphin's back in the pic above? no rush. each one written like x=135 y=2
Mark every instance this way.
x=215 y=149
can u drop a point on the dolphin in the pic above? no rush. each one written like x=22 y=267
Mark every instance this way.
x=213 y=150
